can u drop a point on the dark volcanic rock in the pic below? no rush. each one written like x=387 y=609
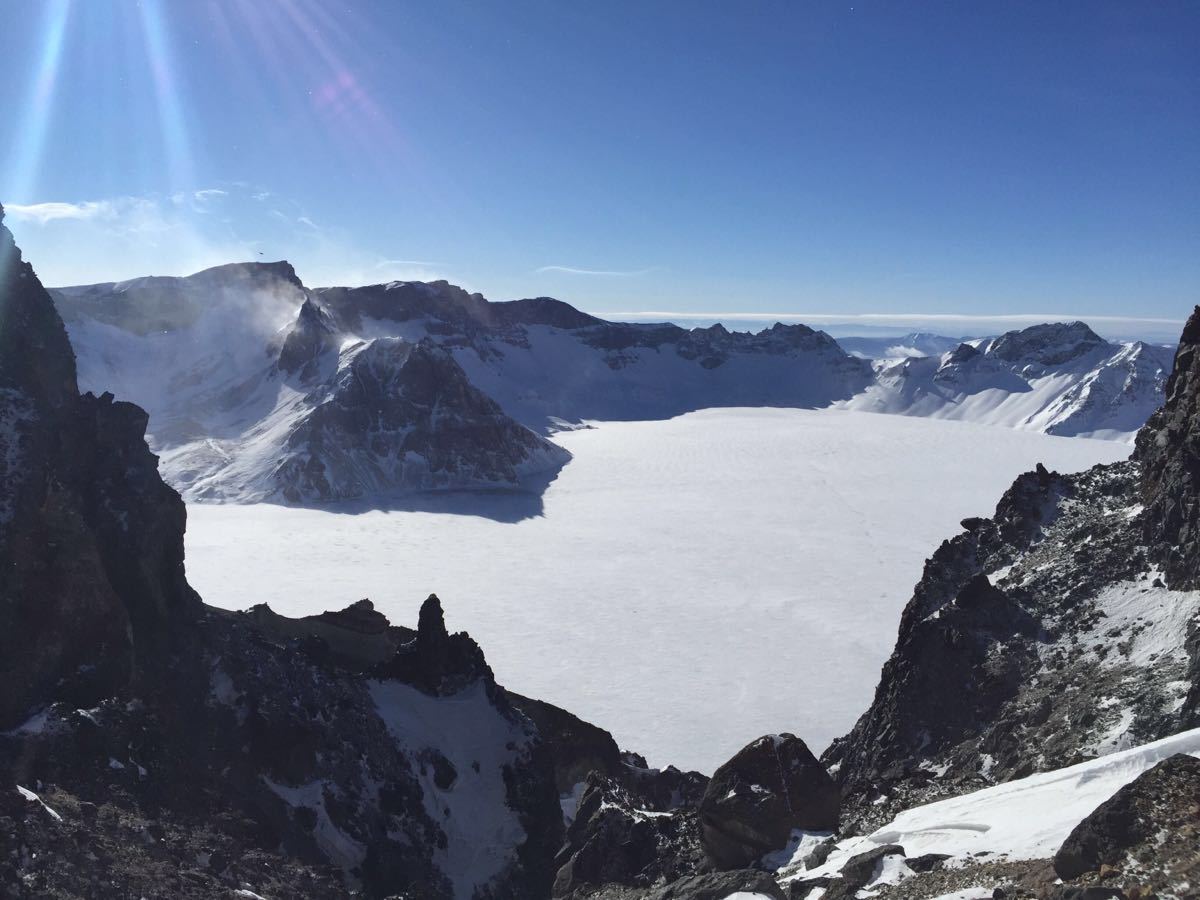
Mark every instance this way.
x=615 y=841
x=1150 y=826
x=578 y=748
x=753 y=802
x=91 y=540
x=1168 y=448
x=435 y=661
x=312 y=339
x=718 y=886
x=403 y=417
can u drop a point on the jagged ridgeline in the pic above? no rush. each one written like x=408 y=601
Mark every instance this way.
x=260 y=389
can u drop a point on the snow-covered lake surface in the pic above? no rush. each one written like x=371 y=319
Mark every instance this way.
x=688 y=584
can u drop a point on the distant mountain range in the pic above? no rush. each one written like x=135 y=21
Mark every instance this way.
x=259 y=388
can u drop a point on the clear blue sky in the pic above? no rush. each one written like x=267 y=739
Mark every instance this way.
x=959 y=157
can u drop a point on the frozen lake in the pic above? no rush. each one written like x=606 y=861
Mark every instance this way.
x=688 y=584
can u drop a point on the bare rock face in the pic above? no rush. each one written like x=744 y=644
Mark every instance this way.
x=754 y=801
x=1148 y=831
x=619 y=842
x=1168 y=448
x=91 y=540
x=402 y=415
x=435 y=661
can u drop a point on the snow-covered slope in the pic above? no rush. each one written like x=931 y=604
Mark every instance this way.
x=916 y=343
x=1057 y=379
x=1027 y=818
x=551 y=366
x=250 y=402
x=261 y=389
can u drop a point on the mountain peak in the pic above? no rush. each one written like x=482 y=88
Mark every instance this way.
x=1051 y=343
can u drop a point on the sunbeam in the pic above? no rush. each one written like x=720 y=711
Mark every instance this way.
x=167 y=96
x=31 y=136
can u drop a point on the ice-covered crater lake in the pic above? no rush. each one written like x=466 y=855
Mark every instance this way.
x=687 y=584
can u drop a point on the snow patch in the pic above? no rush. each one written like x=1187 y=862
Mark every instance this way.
x=34 y=798
x=1028 y=818
x=482 y=831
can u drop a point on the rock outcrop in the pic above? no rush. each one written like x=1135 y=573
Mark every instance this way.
x=397 y=417
x=91 y=540
x=755 y=800
x=1147 y=834
x=1168 y=449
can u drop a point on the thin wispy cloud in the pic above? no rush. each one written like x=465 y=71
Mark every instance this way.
x=888 y=318
x=41 y=213
x=1159 y=330
x=613 y=273
x=115 y=238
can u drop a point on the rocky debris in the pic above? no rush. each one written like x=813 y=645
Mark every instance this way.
x=755 y=800
x=1146 y=836
x=615 y=842
x=719 y=886
x=1168 y=449
x=262 y=749
x=398 y=416
x=91 y=540
x=857 y=873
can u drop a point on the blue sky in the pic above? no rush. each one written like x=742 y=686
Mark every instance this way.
x=967 y=158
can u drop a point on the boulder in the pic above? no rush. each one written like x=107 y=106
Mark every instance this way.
x=1151 y=823
x=753 y=802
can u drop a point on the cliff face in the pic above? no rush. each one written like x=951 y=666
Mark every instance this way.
x=91 y=539
x=1168 y=449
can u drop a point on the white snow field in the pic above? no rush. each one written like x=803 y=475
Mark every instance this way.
x=690 y=584
x=1024 y=819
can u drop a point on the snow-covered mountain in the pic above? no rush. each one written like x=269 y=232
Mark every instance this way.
x=249 y=401
x=1056 y=378
x=261 y=389
x=916 y=343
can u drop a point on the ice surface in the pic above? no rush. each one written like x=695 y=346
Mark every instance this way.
x=692 y=584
